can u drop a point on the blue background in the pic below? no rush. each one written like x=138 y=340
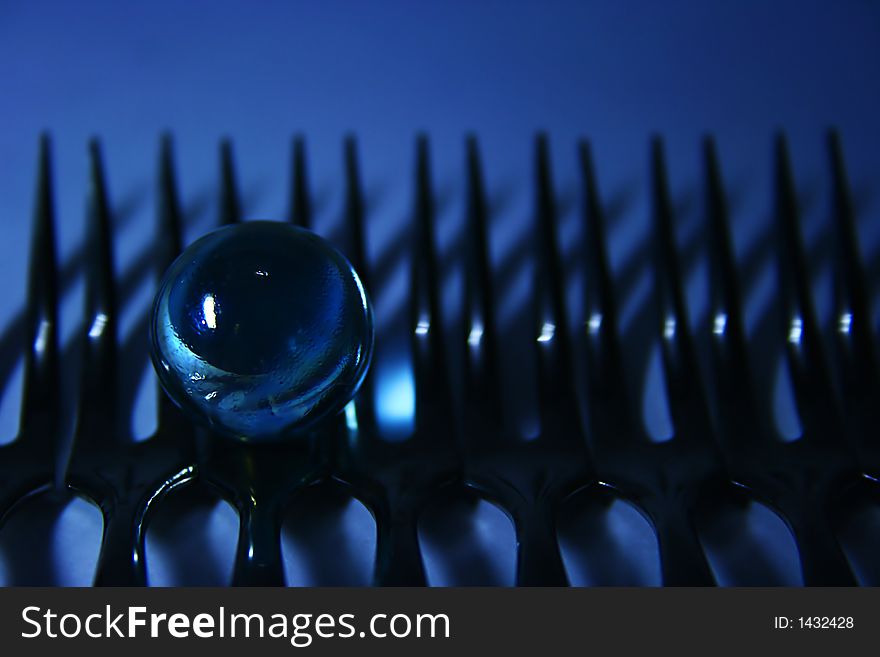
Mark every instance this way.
x=613 y=71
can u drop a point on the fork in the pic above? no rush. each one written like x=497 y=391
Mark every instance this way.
x=669 y=482
x=528 y=480
x=25 y=469
x=800 y=480
x=397 y=480
x=852 y=329
x=127 y=481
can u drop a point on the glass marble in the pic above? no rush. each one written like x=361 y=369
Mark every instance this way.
x=261 y=329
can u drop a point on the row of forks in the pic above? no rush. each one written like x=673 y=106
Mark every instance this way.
x=730 y=454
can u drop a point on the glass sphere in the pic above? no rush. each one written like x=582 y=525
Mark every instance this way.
x=261 y=329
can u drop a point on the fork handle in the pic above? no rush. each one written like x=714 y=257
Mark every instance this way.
x=122 y=560
x=823 y=562
x=682 y=560
x=398 y=556
x=538 y=560
x=258 y=559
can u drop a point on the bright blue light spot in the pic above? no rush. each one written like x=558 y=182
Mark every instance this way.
x=351 y=420
x=396 y=400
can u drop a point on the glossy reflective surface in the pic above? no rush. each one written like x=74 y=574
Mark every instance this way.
x=260 y=330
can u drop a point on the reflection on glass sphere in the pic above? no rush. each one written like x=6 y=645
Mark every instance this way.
x=261 y=329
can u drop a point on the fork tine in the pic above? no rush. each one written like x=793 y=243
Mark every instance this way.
x=169 y=244
x=169 y=216
x=687 y=401
x=601 y=306
x=853 y=302
x=230 y=204
x=354 y=219
x=609 y=408
x=731 y=372
x=482 y=380
x=354 y=211
x=98 y=393
x=41 y=394
x=556 y=398
x=853 y=331
x=300 y=198
x=727 y=317
x=809 y=370
x=429 y=360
